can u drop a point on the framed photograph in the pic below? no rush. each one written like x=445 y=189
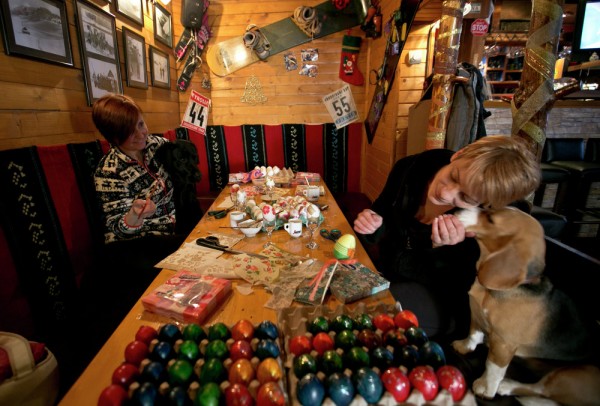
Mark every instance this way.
x=99 y=50
x=131 y=9
x=163 y=31
x=38 y=29
x=159 y=68
x=134 y=47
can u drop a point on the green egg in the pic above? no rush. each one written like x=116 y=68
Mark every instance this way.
x=216 y=349
x=180 y=372
x=194 y=332
x=208 y=395
x=319 y=324
x=345 y=340
x=212 y=371
x=189 y=351
x=363 y=321
x=219 y=331
x=356 y=358
x=304 y=364
x=342 y=322
x=331 y=362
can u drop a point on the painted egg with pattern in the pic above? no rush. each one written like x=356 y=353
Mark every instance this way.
x=344 y=247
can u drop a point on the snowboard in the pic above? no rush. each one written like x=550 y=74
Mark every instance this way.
x=397 y=30
x=231 y=55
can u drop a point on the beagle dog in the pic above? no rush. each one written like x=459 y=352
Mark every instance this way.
x=516 y=310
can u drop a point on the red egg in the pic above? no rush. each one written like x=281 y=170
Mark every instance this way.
x=113 y=395
x=240 y=349
x=451 y=379
x=242 y=330
x=135 y=352
x=300 y=345
x=125 y=374
x=238 y=395
x=146 y=334
x=322 y=342
x=406 y=319
x=397 y=383
x=383 y=322
x=270 y=394
x=423 y=379
x=241 y=371
x=269 y=370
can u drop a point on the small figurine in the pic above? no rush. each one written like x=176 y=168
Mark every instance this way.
x=594 y=57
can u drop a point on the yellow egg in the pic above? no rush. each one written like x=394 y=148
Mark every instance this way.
x=344 y=247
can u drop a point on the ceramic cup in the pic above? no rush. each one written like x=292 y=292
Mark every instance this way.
x=294 y=227
x=312 y=193
x=235 y=217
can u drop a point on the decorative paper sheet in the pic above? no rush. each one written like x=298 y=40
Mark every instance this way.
x=205 y=261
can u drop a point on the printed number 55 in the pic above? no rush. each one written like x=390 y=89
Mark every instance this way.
x=345 y=107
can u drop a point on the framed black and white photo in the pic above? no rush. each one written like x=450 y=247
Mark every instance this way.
x=38 y=29
x=163 y=25
x=99 y=50
x=159 y=68
x=131 y=9
x=134 y=47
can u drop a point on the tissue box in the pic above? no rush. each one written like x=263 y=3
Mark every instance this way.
x=188 y=297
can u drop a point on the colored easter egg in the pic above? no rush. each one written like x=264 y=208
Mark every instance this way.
x=240 y=349
x=356 y=357
x=304 y=364
x=369 y=339
x=180 y=372
x=216 y=349
x=113 y=395
x=331 y=362
x=212 y=371
x=177 y=396
x=407 y=356
x=146 y=334
x=431 y=353
x=300 y=344
x=396 y=383
x=194 y=332
x=125 y=374
x=345 y=339
x=423 y=379
x=267 y=329
x=383 y=322
x=242 y=330
x=405 y=319
x=269 y=370
x=270 y=394
x=368 y=384
x=382 y=358
x=342 y=322
x=344 y=247
x=395 y=338
x=169 y=332
x=363 y=321
x=153 y=372
x=163 y=351
x=145 y=394
x=268 y=212
x=267 y=348
x=416 y=336
x=208 y=395
x=238 y=395
x=322 y=342
x=135 y=352
x=189 y=351
x=451 y=379
x=319 y=324
x=340 y=389
x=219 y=331
x=241 y=371
x=310 y=390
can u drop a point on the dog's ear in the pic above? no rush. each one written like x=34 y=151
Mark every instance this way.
x=509 y=267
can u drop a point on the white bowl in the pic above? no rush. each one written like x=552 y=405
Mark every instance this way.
x=249 y=231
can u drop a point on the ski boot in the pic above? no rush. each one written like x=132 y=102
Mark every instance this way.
x=307 y=20
x=256 y=41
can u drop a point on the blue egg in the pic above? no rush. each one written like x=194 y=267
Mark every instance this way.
x=432 y=354
x=407 y=356
x=170 y=333
x=153 y=372
x=163 y=351
x=266 y=329
x=145 y=395
x=382 y=358
x=310 y=390
x=267 y=349
x=178 y=396
x=340 y=389
x=416 y=336
x=368 y=384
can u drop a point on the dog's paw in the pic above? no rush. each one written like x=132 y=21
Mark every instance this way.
x=483 y=388
x=463 y=346
x=507 y=387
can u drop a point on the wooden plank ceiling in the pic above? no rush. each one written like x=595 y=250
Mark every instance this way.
x=429 y=11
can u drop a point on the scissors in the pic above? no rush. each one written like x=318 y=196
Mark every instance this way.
x=213 y=242
x=332 y=234
x=219 y=214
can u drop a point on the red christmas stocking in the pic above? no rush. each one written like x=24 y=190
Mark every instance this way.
x=349 y=64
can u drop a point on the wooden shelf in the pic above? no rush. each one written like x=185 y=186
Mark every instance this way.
x=584 y=65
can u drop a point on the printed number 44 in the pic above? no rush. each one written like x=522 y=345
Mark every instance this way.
x=344 y=108
x=196 y=114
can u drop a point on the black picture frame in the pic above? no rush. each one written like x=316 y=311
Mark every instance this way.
x=131 y=9
x=39 y=35
x=99 y=50
x=160 y=68
x=134 y=49
x=163 y=25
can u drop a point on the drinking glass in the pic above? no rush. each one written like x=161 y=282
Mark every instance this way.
x=269 y=226
x=233 y=196
x=312 y=223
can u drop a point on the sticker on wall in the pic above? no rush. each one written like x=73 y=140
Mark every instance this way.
x=196 y=113
x=341 y=107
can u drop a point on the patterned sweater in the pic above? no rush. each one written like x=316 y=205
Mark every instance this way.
x=120 y=180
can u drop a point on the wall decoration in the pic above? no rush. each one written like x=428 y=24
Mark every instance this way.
x=38 y=30
x=159 y=68
x=99 y=50
x=131 y=9
x=163 y=31
x=134 y=47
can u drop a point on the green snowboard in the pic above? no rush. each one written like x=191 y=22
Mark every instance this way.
x=231 y=55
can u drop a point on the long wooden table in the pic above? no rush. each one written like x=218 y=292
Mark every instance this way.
x=97 y=375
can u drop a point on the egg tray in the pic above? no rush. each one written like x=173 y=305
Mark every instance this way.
x=163 y=386
x=295 y=321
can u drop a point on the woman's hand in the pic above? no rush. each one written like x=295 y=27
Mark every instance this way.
x=367 y=222
x=140 y=209
x=447 y=230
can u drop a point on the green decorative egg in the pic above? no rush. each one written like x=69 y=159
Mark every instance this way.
x=344 y=247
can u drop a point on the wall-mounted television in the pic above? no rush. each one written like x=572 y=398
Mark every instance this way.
x=586 y=37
